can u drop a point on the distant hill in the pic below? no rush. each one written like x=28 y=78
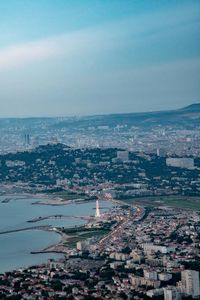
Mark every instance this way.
x=192 y=108
x=189 y=115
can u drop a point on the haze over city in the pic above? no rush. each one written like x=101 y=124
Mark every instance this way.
x=60 y=58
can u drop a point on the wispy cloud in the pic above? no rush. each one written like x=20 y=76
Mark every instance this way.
x=69 y=44
x=132 y=32
x=21 y=54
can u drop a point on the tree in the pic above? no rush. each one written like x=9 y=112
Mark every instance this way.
x=123 y=295
x=57 y=285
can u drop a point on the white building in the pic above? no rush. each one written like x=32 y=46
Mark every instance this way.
x=116 y=264
x=190 y=283
x=155 y=292
x=53 y=264
x=119 y=256
x=136 y=257
x=149 y=248
x=123 y=155
x=161 y=152
x=180 y=162
x=164 y=276
x=83 y=245
x=171 y=293
x=137 y=281
x=152 y=275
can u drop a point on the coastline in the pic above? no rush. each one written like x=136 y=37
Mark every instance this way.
x=55 y=248
x=60 y=246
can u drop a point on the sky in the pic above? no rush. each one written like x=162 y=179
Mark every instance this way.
x=83 y=57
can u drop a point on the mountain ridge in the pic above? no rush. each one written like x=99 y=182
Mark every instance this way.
x=192 y=107
x=186 y=116
x=189 y=108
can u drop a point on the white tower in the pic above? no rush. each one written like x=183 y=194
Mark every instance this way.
x=97 y=213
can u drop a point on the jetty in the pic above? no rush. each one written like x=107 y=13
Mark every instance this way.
x=44 y=227
x=57 y=216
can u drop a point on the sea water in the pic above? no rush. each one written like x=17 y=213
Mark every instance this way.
x=15 y=247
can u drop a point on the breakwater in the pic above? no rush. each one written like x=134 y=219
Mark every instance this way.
x=44 y=227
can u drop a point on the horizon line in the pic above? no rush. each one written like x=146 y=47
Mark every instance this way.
x=95 y=114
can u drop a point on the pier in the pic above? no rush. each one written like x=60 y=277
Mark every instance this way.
x=57 y=216
x=44 y=227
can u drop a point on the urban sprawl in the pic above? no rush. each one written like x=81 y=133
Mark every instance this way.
x=146 y=246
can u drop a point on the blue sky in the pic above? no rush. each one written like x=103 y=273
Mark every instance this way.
x=78 y=57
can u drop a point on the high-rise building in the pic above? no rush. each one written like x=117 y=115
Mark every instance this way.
x=171 y=293
x=97 y=213
x=27 y=139
x=161 y=152
x=190 y=283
